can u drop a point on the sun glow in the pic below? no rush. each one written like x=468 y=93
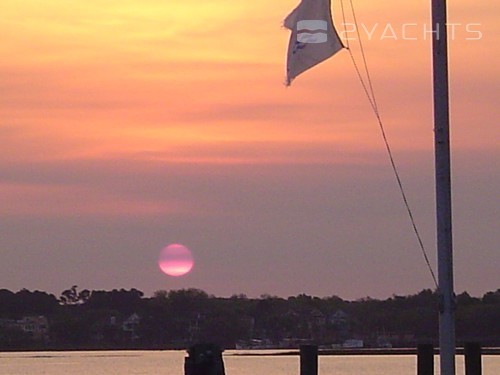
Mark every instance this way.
x=176 y=260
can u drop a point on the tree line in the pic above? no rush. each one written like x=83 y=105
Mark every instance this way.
x=122 y=318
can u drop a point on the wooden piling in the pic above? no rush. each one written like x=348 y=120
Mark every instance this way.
x=204 y=359
x=425 y=359
x=473 y=363
x=308 y=360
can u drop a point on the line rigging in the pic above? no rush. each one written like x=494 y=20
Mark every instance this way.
x=370 y=94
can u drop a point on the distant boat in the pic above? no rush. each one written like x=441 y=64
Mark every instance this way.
x=353 y=344
x=254 y=344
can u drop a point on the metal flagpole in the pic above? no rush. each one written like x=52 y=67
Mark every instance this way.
x=443 y=188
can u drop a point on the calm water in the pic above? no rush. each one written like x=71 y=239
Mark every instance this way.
x=171 y=363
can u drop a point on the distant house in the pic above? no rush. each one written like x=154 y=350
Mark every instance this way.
x=353 y=343
x=7 y=323
x=383 y=342
x=339 y=318
x=317 y=318
x=36 y=326
x=401 y=339
x=130 y=326
x=339 y=321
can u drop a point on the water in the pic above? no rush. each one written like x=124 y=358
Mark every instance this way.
x=172 y=362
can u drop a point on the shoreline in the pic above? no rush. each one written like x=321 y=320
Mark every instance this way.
x=490 y=351
x=358 y=352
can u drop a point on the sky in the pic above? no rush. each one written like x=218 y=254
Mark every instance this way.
x=126 y=126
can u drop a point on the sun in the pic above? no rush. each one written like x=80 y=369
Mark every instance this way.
x=176 y=260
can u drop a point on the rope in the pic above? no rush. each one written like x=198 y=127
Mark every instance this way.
x=370 y=94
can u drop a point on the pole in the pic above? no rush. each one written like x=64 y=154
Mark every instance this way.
x=443 y=188
x=308 y=360
x=425 y=359
x=473 y=365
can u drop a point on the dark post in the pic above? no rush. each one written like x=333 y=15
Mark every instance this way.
x=204 y=359
x=473 y=364
x=425 y=359
x=308 y=360
x=443 y=188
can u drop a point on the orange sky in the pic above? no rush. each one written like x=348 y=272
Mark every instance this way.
x=142 y=75
x=200 y=83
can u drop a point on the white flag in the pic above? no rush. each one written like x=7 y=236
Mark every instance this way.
x=314 y=38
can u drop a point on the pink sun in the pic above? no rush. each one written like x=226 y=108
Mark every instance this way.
x=176 y=260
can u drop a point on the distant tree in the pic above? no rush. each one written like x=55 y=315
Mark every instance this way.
x=70 y=296
x=160 y=294
x=71 y=328
x=465 y=299
x=177 y=318
x=84 y=296
x=7 y=303
x=239 y=296
x=492 y=297
x=188 y=302
x=14 y=338
x=26 y=302
x=333 y=303
x=124 y=301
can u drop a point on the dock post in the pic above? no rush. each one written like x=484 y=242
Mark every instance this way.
x=308 y=360
x=204 y=359
x=425 y=359
x=473 y=365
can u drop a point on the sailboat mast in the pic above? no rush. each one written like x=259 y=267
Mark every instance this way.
x=443 y=188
